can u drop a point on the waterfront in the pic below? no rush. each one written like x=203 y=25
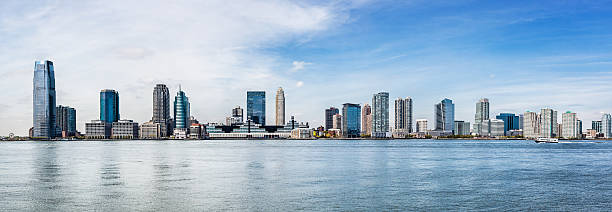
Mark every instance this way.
x=287 y=175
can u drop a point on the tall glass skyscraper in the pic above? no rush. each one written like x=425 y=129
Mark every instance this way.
x=161 y=109
x=445 y=115
x=380 y=114
x=44 y=111
x=109 y=105
x=351 y=120
x=181 y=110
x=256 y=107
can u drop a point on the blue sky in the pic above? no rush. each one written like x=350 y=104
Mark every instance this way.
x=522 y=55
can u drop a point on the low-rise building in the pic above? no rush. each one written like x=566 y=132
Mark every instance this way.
x=180 y=133
x=124 y=129
x=150 y=130
x=301 y=133
x=98 y=129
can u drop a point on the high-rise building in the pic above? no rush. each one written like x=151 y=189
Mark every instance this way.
x=44 y=111
x=531 y=125
x=329 y=117
x=421 y=125
x=351 y=120
x=181 y=110
x=462 y=128
x=445 y=116
x=548 y=122
x=280 y=107
x=380 y=115
x=109 y=105
x=511 y=121
x=161 y=109
x=256 y=107
x=403 y=114
x=579 y=129
x=606 y=125
x=366 y=120
x=337 y=122
x=495 y=127
x=482 y=115
x=596 y=125
x=569 y=123
x=521 y=118
x=66 y=121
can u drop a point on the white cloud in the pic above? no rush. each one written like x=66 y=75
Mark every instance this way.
x=299 y=84
x=299 y=65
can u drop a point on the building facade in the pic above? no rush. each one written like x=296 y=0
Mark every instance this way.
x=380 y=115
x=462 y=128
x=421 y=125
x=403 y=115
x=531 y=125
x=548 y=122
x=124 y=129
x=98 y=129
x=596 y=125
x=445 y=116
x=150 y=130
x=482 y=115
x=181 y=110
x=351 y=120
x=256 y=107
x=65 y=121
x=606 y=125
x=496 y=128
x=569 y=123
x=511 y=121
x=161 y=109
x=44 y=99
x=280 y=107
x=109 y=105
x=337 y=122
x=329 y=117
x=366 y=120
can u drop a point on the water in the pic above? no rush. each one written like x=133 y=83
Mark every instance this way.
x=420 y=175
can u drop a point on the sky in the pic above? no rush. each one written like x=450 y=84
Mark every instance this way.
x=521 y=55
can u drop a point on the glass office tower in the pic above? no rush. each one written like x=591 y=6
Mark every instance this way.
x=256 y=107
x=445 y=115
x=181 y=110
x=66 y=121
x=44 y=111
x=351 y=120
x=109 y=105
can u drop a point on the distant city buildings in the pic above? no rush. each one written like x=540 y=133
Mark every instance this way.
x=124 y=129
x=462 y=128
x=236 y=118
x=445 y=116
x=380 y=115
x=421 y=125
x=150 y=130
x=44 y=100
x=403 y=116
x=596 y=125
x=337 y=122
x=548 y=121
x=570 y=125
x=256 y=107
x=65 y=121
x=606 y=125
x=366 y=120
x=511 y=121
x=531 y=124
x=161 y=109
x=329 y=117
x=351 y=120
x=109 y=105
x=98 y=129
x=280 y=107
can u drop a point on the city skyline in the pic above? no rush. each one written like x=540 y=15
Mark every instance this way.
x=519 y=51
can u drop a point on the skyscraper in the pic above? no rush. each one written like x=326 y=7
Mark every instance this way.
x=256 y=107
x=403 y=115
x=482 y=115
x=44 y=111
x=181 y=110
x=109 y=106
x=596 y=125
x=511 y=121
x=606 y=125
x=380 y=115
x=351 y=120
x=280 y=107
x=569 y=123
x=548 y=123
x=366 y=120
x=531 y=125
x=161 y=109
x=329 y=117
x=445 y=115
x=421 y=125
x=66 y=121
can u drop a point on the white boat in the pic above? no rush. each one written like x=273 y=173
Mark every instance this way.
x=547 y=140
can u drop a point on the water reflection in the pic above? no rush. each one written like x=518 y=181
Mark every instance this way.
x=47 y=180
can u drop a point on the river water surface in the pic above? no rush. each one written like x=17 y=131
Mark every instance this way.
x=305 y=175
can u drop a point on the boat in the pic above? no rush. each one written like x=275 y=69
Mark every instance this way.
x=547 y=140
